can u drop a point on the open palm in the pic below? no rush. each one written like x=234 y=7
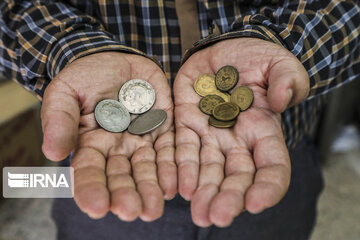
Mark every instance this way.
x=124 y=173
x=224 y=171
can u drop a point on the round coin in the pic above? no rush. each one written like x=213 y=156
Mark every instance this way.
x=147 y=122
x=137 y=95
x=112 y=115
x=226 y=111
x=226 y=78
x=208 y=103
x=205 y=84
x=221 y=124
x=243 y=96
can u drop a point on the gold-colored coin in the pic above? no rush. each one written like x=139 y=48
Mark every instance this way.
x=223 y=95
x=226 y=111
x=221 y=124
x=208 y=103
x=226 y=78
x=205 y=84
x=243 y=96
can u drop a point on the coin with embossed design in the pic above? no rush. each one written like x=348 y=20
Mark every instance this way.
x=226 y=78
x=112 y=115
x=243 y=96
x=137 y=95
x=209 y=102
x=226 y=111
x=205 y=85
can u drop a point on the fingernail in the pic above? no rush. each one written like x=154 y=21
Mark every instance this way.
x=92 y=216
x=168 y=197
x=288 y=100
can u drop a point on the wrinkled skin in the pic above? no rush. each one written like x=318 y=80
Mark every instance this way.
x=127 y=174
x=247 y=167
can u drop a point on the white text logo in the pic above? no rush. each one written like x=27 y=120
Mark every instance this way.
x=38 y=182
x=16 y=180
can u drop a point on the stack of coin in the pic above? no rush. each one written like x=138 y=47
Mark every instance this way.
x=135 y=97
x=222 y=107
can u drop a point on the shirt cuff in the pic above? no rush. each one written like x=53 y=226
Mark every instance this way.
x=249 y=26
x=80 y=44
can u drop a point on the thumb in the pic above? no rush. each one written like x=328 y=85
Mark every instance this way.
x=60 y=115
x=289 y=84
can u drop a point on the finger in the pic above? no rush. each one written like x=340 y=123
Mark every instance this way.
x=189 y=122
x=272 y=176
x=210 y=178
x=91 y=194
x=165 y=159
x=60 y=115
x=229 y=202
x=289 y=84
x=144 y=173
x=125 y=201
x=187 y=159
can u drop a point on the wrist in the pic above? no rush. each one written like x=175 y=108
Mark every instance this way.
x=84 y=43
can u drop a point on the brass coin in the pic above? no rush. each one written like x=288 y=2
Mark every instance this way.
x=221 y=124
x=243 y=96
x=208 y=103
x=226 y=111
x=205 y=84
x=223 y=95
x=226 y=78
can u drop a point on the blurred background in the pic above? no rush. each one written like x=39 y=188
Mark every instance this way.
x=338 y=140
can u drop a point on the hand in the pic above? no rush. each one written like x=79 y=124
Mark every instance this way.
x=127 y=174
x=224 y=171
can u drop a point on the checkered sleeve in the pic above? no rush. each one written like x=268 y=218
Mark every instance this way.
x=323 y=35
x=38 y=39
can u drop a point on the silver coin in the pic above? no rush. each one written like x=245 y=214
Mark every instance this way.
x=112 y=115
x=147 y=122
x=137 y=95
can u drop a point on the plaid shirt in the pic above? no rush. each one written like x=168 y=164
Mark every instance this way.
x=38 y=38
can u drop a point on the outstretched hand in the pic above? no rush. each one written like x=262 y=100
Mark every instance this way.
x=127 y=174
x=224 y=171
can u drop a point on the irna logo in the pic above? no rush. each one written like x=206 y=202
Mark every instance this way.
x=34 y=180
x=38 y=182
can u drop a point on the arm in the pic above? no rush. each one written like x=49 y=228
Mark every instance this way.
x=47 y=44
x=282 y=53
x=39 y=38
x=323 y=35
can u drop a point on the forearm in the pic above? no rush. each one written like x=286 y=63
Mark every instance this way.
x=39 y=38
x=323 y=35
